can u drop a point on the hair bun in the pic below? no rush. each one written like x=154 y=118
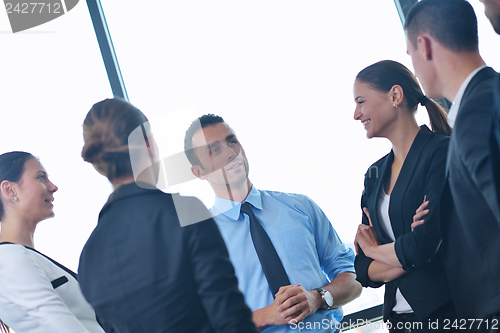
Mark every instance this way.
x=92 y=150
x=106 y=129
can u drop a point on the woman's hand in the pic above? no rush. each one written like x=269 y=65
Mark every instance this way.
x=419 y=213
x=366 y=239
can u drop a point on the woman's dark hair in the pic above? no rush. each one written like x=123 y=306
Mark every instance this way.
x=12 y=168
x=385 y=74
x=106 y=130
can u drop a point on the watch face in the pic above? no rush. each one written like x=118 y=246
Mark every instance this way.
x=328 y=299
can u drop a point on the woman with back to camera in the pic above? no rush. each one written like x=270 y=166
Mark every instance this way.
x=150 y=265
x=37 y=294
x=394 y=248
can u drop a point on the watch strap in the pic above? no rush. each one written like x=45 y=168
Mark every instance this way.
x=323 y=296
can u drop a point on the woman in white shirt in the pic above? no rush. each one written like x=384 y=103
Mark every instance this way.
x=392 y=249
x=37 y=294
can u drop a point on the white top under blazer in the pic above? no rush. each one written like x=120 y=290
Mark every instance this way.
x=38 y=295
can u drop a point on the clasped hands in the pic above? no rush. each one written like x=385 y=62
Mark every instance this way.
x=292 y=304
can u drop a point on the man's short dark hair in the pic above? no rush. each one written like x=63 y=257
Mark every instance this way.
x=196 y=125
x=452 y=23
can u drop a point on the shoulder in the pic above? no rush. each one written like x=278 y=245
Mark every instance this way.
x=284 y=197
x=299 y=203
x=378 y=163
x=189 y=210
x=372 y=174
x=283 y=201
x=480 y=89
x=483 y=77
x=12 y=253
x=477 y=104
x=17 y=260
x=19 y=256
x=437 y=142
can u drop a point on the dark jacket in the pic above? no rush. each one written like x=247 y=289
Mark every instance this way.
x=495 y=135
x=470 y=210
x=143 y=272
x=424 y=286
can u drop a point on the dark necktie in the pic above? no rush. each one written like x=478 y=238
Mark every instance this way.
x=271 y=263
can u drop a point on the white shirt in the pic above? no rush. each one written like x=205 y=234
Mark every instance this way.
x=40 y=296
x=402 y=305
x=453 y=113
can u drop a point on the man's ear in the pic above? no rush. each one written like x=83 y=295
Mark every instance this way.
x=198 y=172
x=425 y=45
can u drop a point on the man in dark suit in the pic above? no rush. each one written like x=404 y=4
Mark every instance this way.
x=443 y=44
x=492 y=11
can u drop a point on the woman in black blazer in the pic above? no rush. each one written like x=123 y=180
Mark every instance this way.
x=392 y=248
x=156 y=262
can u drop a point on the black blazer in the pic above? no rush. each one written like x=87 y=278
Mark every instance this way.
x=470 y=210
x=143 y=272
x=424 y=286
x=495 y=135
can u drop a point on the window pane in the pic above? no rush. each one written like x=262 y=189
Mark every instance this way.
x=51 y=76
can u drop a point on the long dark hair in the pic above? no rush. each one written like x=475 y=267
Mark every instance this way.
x=106 y=130
x=12 y=168
x=385 y=74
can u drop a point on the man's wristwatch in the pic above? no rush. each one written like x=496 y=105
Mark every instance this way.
x=327 y=298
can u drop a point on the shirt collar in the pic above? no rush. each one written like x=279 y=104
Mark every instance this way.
x=452 y=115
x=232 y=208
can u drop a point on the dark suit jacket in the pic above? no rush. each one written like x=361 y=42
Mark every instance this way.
x=470 y=211
x=143 y=272
x=424 y=286
x=495 y=135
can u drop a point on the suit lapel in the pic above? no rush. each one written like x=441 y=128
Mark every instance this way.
x=405 y=176
x=483 y=74
x=479 y=166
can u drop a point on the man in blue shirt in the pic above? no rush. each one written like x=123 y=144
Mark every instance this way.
x=309 y=248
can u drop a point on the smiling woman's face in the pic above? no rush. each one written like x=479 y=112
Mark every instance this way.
x=374 y=109
x=35 y=193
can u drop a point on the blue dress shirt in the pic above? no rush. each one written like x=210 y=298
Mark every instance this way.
x=308 y=246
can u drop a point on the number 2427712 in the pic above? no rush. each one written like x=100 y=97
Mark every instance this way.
x=33 y=8
x=463 y=324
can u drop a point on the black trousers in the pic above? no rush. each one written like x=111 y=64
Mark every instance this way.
x=441 y=320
